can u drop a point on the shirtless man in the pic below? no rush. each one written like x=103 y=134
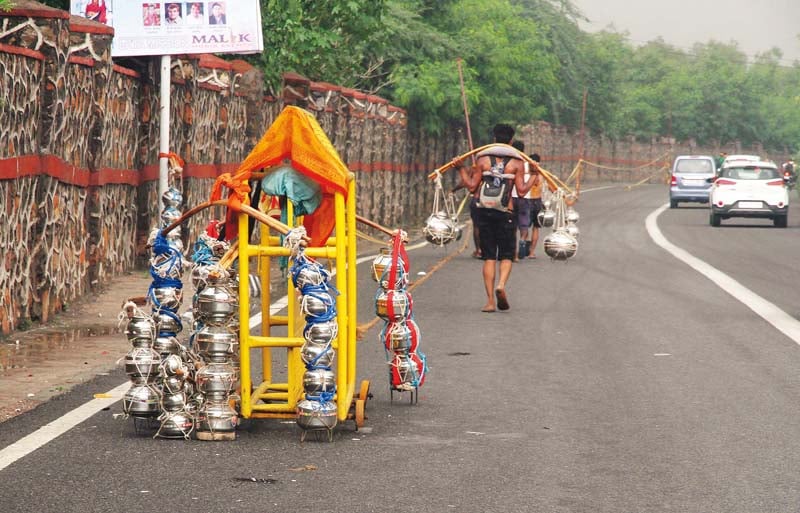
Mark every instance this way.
x=497 y=228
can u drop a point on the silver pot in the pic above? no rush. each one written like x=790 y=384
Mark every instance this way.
x=175 y=424
x=167 y=323
x=572 y=215
x=560 y=245
x=317 y=303
x=217 y=416
x=216 y=340
x=316 y=415
x=393 y=305
x=383 y=261
x=142 y=362
x=167 y=345
x=173 y=401
x=401 y=335
x=573 y=230
x=216 y=303
x=141 y=400
x=317 y=355
x=216 y=378
x=439 y=229
x=316 y=381
x=173 y=365
x=169 y=215
x=405 y=367
x=167 y=297
x=321 y=333
x=172 y=197
x=309 y=274
x=166 y=265
x=140 y=328
x=400 y=280
x=546 y=218
x=173 y=384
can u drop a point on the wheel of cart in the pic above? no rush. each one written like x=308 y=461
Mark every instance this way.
x=359 y=406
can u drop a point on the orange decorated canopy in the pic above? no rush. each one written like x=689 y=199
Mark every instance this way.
x=295 y=138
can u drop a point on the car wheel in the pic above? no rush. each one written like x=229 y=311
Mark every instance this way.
x=781 y=221
x=673 y=203
x=714 y=219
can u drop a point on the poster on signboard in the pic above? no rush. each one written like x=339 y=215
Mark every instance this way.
x=175 y=28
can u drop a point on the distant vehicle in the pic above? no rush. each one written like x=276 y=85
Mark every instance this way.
x=740 y=158
x=690 y=179
x=749 y=189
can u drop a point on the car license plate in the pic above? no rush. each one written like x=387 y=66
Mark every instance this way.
x=749 y=204
x=693 y=182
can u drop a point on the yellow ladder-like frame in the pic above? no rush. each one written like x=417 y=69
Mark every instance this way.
x=261 y=397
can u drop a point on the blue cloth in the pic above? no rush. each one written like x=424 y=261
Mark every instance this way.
x=303 y=192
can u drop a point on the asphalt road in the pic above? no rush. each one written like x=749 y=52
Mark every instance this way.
x=620 y=381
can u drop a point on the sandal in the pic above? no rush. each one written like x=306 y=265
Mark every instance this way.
x=502 y=301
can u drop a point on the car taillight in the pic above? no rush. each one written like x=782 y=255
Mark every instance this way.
x=673 y=180
x=775 y=182
x=720 y=203
x=722 y=181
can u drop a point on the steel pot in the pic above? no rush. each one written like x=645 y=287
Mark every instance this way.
x=383 y=261
x=317 y=303
x=173 y=401
x=573 y=230
x=173 y=365
x=167 y=323
x=309 y=273
x=402 y=335
x=173 y=384
x=141 y=329
x=317 y=381
x=216 y=303
x=316 y=415
x=169 y=215
x=175 y=424
x=216 y=340
x=217 y=416
x=172 y=197
x=560 y=245
x=141 y=400
x=321 y=333
x=546 y=218
x=216 y=378
x=317 y=355
x=572 y=215
x=142 y=362
x=439 y=229
x=167 y=297
x=167 y=345
x=393 y=305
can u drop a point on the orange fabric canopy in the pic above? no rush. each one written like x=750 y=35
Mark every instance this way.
x=296 y=138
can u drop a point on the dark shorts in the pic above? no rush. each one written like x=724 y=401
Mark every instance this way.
x=473 y=207
x=536 y=207
x=497 y=232
x=522 y=206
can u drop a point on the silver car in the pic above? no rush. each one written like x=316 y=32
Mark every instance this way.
x=691 y=179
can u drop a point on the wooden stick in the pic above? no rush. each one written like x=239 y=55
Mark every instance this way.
x=373 y=224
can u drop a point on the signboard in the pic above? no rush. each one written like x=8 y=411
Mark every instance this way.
x=175 y=28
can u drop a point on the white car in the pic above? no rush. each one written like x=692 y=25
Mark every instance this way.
x=748 y=188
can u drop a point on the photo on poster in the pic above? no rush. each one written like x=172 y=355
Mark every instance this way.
x=100 y=11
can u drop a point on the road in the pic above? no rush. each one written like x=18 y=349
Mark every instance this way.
x=623 y=380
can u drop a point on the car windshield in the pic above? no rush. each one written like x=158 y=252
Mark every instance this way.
x=694 y=166
x=750 y=173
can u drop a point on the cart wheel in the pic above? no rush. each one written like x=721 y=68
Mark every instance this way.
x=363 y=394
x=360 y=413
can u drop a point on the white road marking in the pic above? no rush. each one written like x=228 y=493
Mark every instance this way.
x=782 y=321
x=58 y=427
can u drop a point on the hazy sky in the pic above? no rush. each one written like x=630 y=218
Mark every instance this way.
x=756 y=25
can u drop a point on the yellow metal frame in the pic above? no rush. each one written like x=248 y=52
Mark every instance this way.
x=263 y=398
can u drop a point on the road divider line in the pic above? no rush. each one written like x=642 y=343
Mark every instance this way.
x=768 y=311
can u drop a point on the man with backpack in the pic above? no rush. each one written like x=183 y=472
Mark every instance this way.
x=499 y=169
